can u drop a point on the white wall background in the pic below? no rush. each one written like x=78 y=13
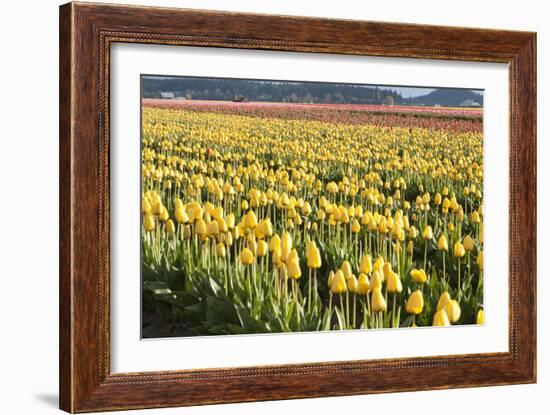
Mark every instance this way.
x=29 y=204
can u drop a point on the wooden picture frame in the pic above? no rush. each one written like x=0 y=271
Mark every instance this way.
x=86 y=33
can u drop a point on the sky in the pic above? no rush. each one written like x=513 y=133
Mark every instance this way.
x=407 y=92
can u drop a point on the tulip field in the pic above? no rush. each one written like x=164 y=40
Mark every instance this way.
x=270 y=218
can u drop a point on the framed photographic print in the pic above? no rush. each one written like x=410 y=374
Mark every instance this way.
x=261 y=207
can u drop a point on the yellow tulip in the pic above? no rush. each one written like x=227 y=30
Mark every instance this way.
x=261 y=248
x=441 y=319
x=378 y=301
x=355 y=227
x=419 y=276
x=267 y=228
x=366 y=264
x=458 y=250
x=229 y=239
x=286 y=245
x=313 y=256
x=442 y=243
x=293 y=255
x=170 y=227
x=376 y=281
x=274 y=243
x=363 y=286
x=410 y=247
x=276 y=257
x=181 y=216
x=145 y=206
x=393 y=283
x=346 y=269
x=378 y=264
x=474 y=217
x=157 y=208
x=212 y=229
x=427 y=234
x=481 y=233
x=453 y=311
x=468 y=243
x=479 y=260
x=200 y=227
x=321 y=215
x=251 y=221
x=480 y=318
x=415 y=303
x=387 y=270
x=230 y=220
x=444 y=299
x=338 y=283
x=163 y=216
x=330 y=278
x=149 y=222
x=220 y=249
x=247 y=257
x=352 y=284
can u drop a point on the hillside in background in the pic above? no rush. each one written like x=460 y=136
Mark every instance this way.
x=449 y=98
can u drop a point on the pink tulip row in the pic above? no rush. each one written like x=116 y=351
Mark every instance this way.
x=453 y=119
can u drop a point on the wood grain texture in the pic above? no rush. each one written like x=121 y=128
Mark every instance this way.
x=86 y=34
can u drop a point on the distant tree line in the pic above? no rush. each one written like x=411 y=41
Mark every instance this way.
x=269 y=91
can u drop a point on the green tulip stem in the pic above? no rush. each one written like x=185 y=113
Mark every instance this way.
x=316 y=294
x=425 y=253
x=330 y=307
x=342 y=307
x=444 y=278
x=354 y=309
x=469 y=272
x=309 y=291
x=347 y=309
x=459 y=286
x=368 y=304
x=295 y=293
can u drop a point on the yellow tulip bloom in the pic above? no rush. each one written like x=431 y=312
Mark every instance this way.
x=444 y=299
x=441 y=319
x=453 y=311
x=427 y=234
x=149 y=222
x=366 y=264
x=468 y=243
x=378 y=301
x=363 y=285
x=419 y=276
x=247 y=257
x=415 y=303
x=458 y=250
x=442 y=243
x=393 y=283
x=338 y=284
x=480 y=318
